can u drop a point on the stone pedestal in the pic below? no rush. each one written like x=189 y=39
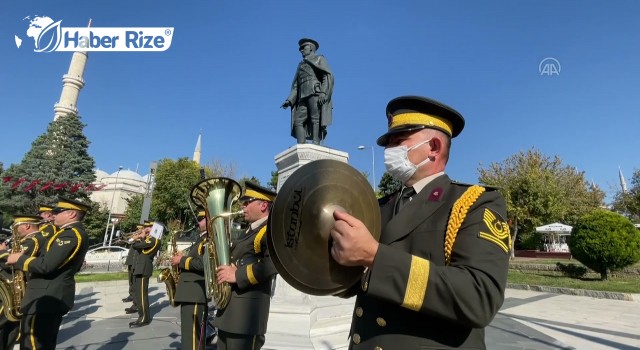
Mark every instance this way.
x=298 y=320
x=296 y=156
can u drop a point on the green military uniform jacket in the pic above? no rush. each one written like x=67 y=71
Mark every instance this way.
x=131 y=255
x=248 y=309
x=409 y=298
x=191 y=285
x=147 y=249
x=32 y=244
x=47 y=230
x=52 y=287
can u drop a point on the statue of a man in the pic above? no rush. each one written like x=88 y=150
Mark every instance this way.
x=310 y=97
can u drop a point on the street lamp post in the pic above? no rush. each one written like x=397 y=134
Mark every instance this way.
x=373 y=167
x=113 y=195
x=114 y=221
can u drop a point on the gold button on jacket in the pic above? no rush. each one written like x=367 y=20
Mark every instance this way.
x=381 y=322
x=359 y=311
x=356 y=338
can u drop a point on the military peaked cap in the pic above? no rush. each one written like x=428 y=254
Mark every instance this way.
x=26 y=219
x=255 y=191
x=70 y=204
x=409 y=113
x=303 y=41
x=44 y=208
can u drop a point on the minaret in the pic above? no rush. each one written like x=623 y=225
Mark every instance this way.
x=72 y=83
x=197 y=151
x=623 y=183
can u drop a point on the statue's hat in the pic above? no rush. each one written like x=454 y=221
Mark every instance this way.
x=307 y=40
x=409 y=113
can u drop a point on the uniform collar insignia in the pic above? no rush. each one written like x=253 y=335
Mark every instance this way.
x=435 y=195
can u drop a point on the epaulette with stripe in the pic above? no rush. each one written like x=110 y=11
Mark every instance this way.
x=464 y=184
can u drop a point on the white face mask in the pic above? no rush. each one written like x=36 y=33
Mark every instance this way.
x=396 y=159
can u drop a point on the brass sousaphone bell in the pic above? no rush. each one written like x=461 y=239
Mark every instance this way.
x=300 y=223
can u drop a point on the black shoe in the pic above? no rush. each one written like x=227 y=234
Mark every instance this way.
x=136 y=324
x=127 y=299
x=131 y=310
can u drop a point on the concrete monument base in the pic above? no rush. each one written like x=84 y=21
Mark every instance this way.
x=298 y=320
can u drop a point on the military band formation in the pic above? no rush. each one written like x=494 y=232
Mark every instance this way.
x=434 y=279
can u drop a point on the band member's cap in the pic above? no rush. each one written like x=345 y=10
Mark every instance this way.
x=411 y=113
x=254 y=191
x=45 y=208
x=147 y=223
x=201 y=215
x=70 y=204
x=303 y=41
x=26 y=219
x=139 y=226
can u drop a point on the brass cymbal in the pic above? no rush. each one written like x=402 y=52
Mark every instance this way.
x=301 y=220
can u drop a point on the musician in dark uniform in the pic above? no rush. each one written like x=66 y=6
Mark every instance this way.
x=191 y=290
x=26 y=229
x=51 y=289
x=243 y=323
x=130 y=262
x=47 y=228
x=147 y=247
x=8 y=330
x=437 y=276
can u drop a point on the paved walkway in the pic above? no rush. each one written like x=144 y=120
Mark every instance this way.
x=528 y=321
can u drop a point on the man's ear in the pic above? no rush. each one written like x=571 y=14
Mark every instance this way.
x=74 y=214
x=436 y=147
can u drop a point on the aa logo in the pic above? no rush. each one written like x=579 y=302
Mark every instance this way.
x=549 y=66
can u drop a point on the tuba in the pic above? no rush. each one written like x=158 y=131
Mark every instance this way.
x=170 y=275
x=216 y=195
x=12 y=290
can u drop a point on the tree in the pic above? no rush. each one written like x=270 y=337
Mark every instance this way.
x=273 y=182
x=59 y=155
x=605 y=241
x=132 y=214
x=94 y=223
x=539 y=190
x=628 y=202
x=388 y=185
x=171 y=193
x=216 y=168
x=171 y=202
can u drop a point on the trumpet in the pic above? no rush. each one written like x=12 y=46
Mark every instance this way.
x=125 y=237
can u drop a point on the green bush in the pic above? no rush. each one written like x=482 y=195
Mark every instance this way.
x=605 y=241
x=572 y=270
x=530 y=241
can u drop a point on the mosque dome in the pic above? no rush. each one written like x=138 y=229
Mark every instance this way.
x=127 y=175
x=100 y=174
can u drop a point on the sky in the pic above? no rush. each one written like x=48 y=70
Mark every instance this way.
x=231 y=63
